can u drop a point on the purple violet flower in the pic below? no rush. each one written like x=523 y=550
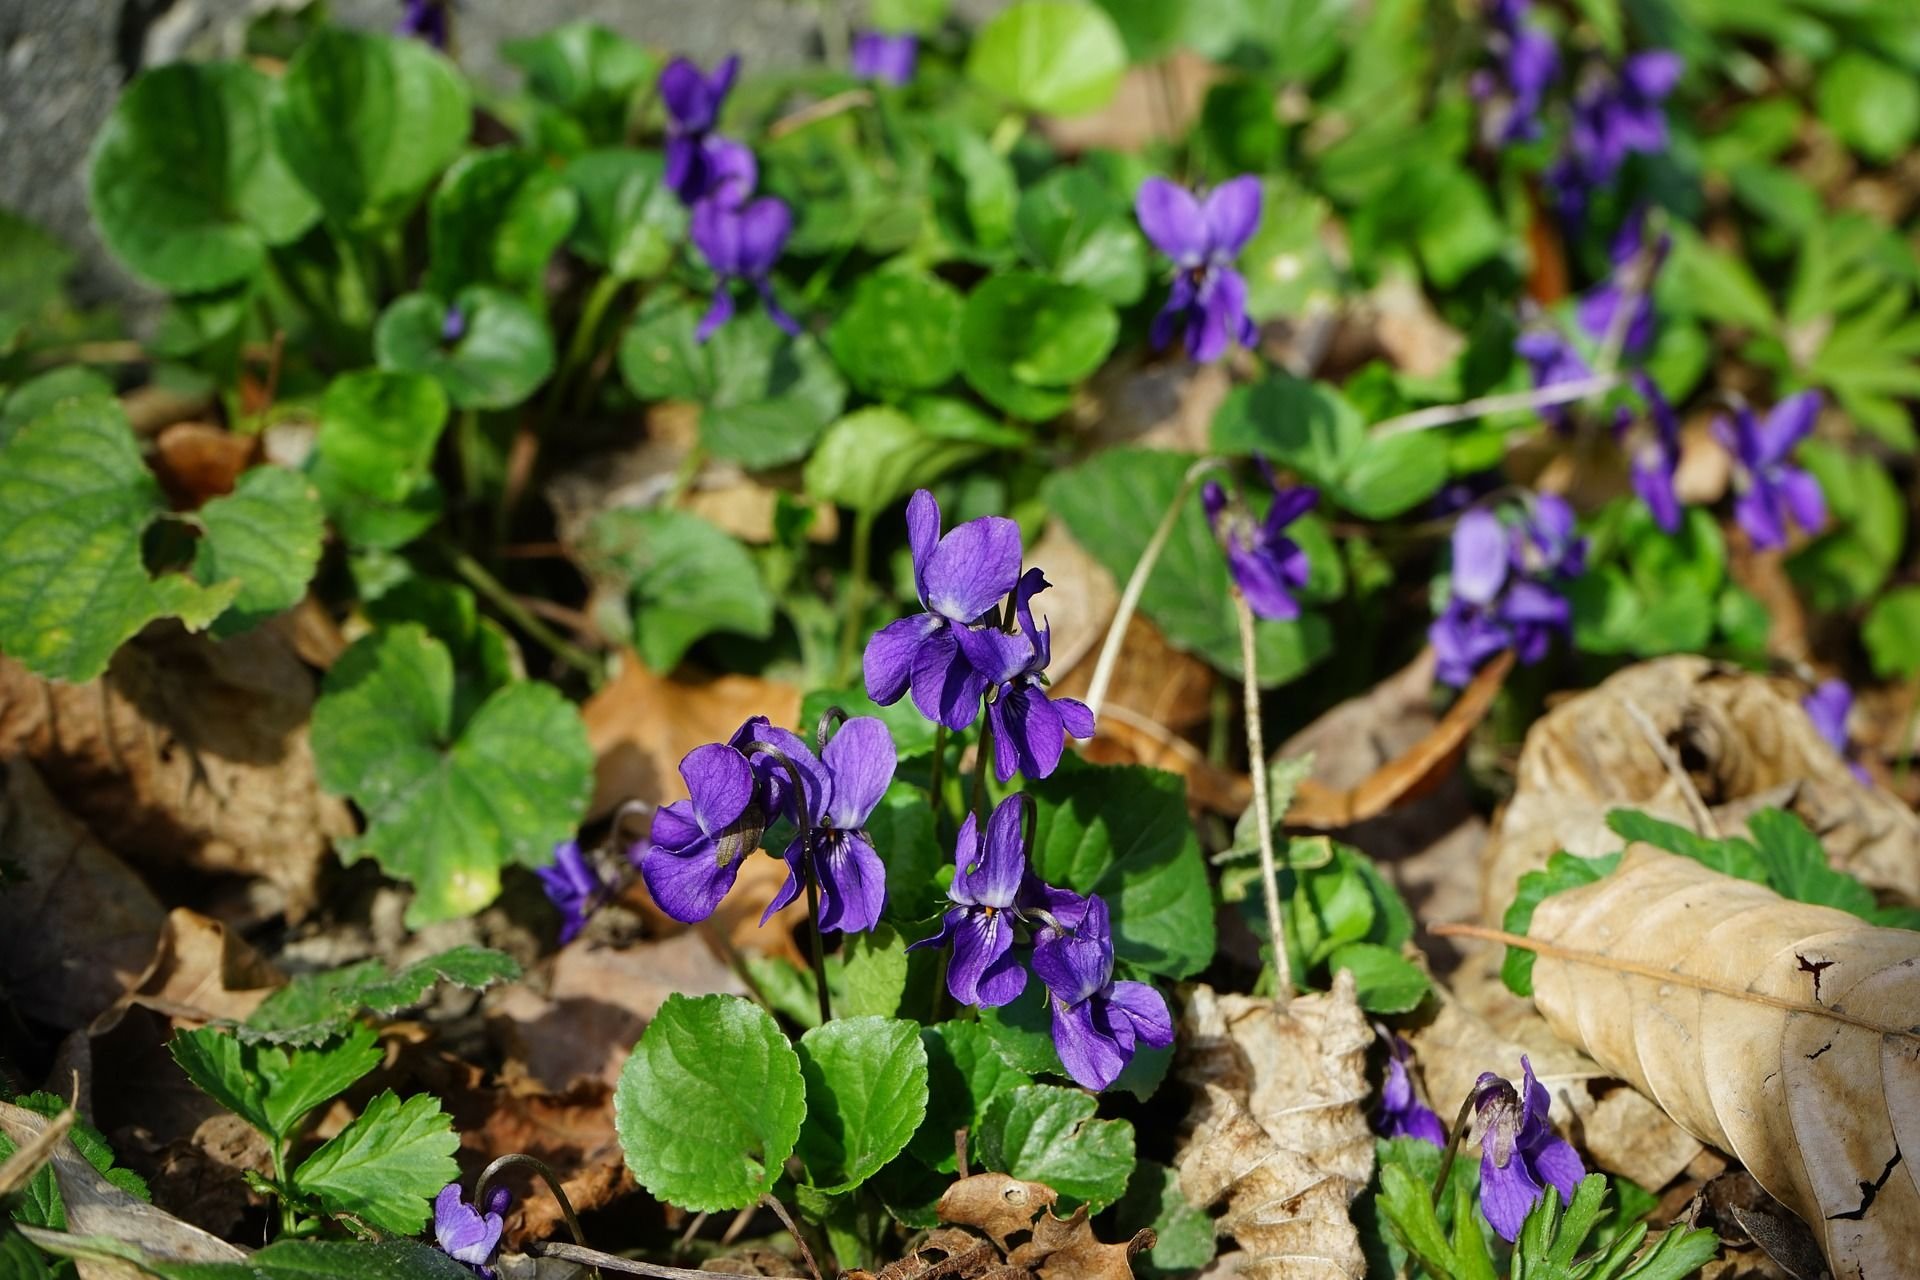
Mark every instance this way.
x=424 y=20
x=1772 y=491
x=1029 y=728
x=1613 y=117
x=842 y=788
x=742 y=243
x=573 y=887
x=1402 y=1115
x=960 y=578
x=890 y=58
x=693 y=100
x=1829 y=706
x=1097 y=1022
x=1209 y=296
x=1652 y=445
x=697 y=844
x=1507 y=584
x=1267 y=565
x=453 y=325
x=986 y=891
x=463 y=1232
x=1598 y=307
x=1520 y=1155
x=1527 y=62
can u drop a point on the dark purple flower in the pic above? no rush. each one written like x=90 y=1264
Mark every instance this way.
x=424 y=20
x=463 y=1232
x=573 y=887
x=1209 y=297
x=453 y=325
x=1599 y=307
x=1402 y=1115
x=1652 y=445
x=1829 y=706
x=742 y=243
x=1772 y=491
x=693 y=101
x=842 y=787
x=1527 y=61
x=1551 y=360
x=697 y=843
x=987 y=880
x=890 y=58
x=1506 y=589
x=1266 y=564
x=1520 y=1155
x=1613 y=117
x=1097 y=1022
x=1029 y=728
x=960 y=578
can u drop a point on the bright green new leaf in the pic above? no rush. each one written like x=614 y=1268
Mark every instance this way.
x=1384 y=980
x=685 y=579
x=898 y=331
x=1074 y=226
x=709 y=1106
x=871 y=976
x=1050 y=56
x=496 y=218
x=1873 y=105
x=372 y=461
x=866 y=1082
x=1892 y=634
x=1045 y=1133
x=1026 y=339
x=630 y=221
x=299 y=1080
x=964 y=1073
x=447 y=805
x=588 y=72
x=502 y=357
x=266 y=534
x=366 y=121
x=873 y=457
x=185 y=182
x=386 y=1167
x=75 y=500
x=1797 y=867
x=316 y=1006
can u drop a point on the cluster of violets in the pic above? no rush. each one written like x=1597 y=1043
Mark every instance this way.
x=1520 y=1154
x=1507 y=586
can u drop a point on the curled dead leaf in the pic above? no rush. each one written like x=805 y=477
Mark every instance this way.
x=198 y=461
x=1781 y=1032
x=1067 y=1249
x=997 y=1203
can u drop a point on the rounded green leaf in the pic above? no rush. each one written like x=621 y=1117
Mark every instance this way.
x=378 y=429
x=496 y=219
x=709 y=1105
x=501 y=359
x=587 y=71
x=874 y=456
x=630 y=222
x=1046 y=1133
x=1892 y=634
x=898 y=331
x=964 y=1073
x=1074 y=226
x=866 y=1094
x=185 y=182
x=1024 y=339
x=366 y=121
x=266 y=535
x=1389 y=476
x=1384 y=980
x=1052 y=56
x=1874 y=106
x=685 y=578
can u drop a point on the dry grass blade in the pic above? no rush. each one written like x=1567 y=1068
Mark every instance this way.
x=25 y=1161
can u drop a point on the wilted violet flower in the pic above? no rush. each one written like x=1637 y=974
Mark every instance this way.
x=1267 y=566
x=1402 y=1115
x=842 y=787
x=1527 y=60
x=960 y=578
x=697 y=843
x=463 y=1232
x=1829 y=706
x=1209 y=296
x=988 y=874
x=1613 y=117
x=888 y=57
x=573 y=887
x=1772 y=491
x=693 y=101
x=1506 y=587
x=1097 y=1022
x=1520 y=1155
x=1029 y=728
x=424 y=20
x=742 y=243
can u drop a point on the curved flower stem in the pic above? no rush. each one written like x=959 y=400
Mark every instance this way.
x=855 y=606
x=547 y=1174
x=830 y=721
x=818 y=952
x=793 y=1229
x=1454 y=1135
x=982 y=763
x=1137 y=584
x=935 y=769
x=1262 y=813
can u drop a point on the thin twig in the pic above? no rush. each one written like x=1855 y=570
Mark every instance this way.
x=1263 y=816
x=477 y=577
x=547 y=1175
x=625 y=1266
x=845 y=100
x=685 y=1242
x=1696 y=803
x=1673 y=977
x=1444 y=415
x=1137 y=584
x=793 y=1229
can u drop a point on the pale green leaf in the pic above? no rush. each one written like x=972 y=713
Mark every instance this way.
x=866 y=1080
x=266 y=535
x=386 y=1167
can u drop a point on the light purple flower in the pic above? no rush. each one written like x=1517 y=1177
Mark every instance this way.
x=1829 y=706
x=1506 y=588
x=573 y=887
x=1403 y=1115
x=1772 y=491
x=890 y=58
x=463 y=1232
x=1552 y=360
x=1520 y=1155
x=842 y=788
x=697 y=844
x=742 y=243
x=1209 y=296
x=960 y=578
x=1267 y=565
x=424 y=20
x=1029 y=728
x=693 y=100
x=1097 y=1023
x=986 y=892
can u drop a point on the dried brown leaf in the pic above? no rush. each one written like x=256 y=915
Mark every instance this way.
x=997 y=1203
x=1781 y=1032
x=1067 y=1249
x=198 y=461
x=1278 y=1131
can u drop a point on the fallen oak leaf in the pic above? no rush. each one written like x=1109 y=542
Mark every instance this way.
x=1780 y=1032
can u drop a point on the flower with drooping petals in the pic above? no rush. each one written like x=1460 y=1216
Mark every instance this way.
x=463 y=1232
x=697 y=844
x=1653 y=453
x=1097 y=1023
x=1029 y=728
x=1772 y=491
x=693 y=100
x=1267 y=566
x=988 y=874
x=889 y=57
x=1402 y=1114
x=1520 y=1155
x=1204 y=238
x=838 y=791
x=741 y=244
x=573 y=887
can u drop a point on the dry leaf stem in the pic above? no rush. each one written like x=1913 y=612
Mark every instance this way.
x=1262 y=813
x=1703 y=819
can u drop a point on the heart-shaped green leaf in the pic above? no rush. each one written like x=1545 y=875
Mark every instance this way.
x=630 y=222
x=1050 y=56
x=898 y=331
x=1072 y=225
x=1025 y=339
x=266 y=533
x=503 y=356
x=685 y=579
x=496 y=218
x=866 y=1094
x=1046 y=1133
x=587 y=72
x=378 y=429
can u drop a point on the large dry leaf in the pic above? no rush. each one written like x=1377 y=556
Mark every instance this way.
x=187 y=752
x=1783 y=1033
x=1278 y=1130
x=1745 y=743
x=79 y=926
